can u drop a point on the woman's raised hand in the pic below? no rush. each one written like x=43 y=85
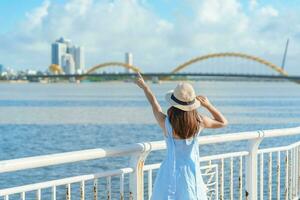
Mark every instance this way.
x=140 y=81
x=218 y=119
x=204 y=101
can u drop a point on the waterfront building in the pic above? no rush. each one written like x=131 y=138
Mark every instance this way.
x=128 y=61
x=78 y=56
x=58 y=50
x=68 y=63
x=61 y=51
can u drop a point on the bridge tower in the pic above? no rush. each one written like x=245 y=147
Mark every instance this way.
x=128 y=61
x=285 y=53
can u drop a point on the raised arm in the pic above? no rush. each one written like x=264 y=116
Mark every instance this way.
x=218 y=120
x=156 y=108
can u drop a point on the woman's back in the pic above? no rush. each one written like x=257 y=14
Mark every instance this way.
x=179 y=177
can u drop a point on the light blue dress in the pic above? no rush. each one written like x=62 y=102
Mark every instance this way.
x=179 y=177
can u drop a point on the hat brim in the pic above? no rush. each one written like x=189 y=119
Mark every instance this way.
x=191 y=107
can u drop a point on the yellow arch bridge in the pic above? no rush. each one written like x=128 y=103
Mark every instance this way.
x=176 y=70
x=239 y=55
x=184 y=65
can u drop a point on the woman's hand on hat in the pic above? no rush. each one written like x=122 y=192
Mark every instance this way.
x=140 y=81
x=204 y=101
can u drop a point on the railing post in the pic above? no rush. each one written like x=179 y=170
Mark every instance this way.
x=251 y=167
x=137 y=161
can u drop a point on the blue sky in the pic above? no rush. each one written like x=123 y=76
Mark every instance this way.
x=160 y=33
x=12 y=11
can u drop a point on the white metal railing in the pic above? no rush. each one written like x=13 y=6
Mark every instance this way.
x=271 y=173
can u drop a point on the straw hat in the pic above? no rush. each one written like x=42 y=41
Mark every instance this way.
x=183 y=97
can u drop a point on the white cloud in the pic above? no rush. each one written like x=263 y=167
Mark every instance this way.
x=78 y=6
x=268 y=11
x=107 y=29
x=214 y=11
x=35 y=17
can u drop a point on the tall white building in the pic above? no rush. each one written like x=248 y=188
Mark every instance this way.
x=78 y=55
x=62 y=48
x=68 y=64
x=128 y=61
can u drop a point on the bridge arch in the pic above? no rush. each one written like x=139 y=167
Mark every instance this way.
x=231 y=54
x=113 y=64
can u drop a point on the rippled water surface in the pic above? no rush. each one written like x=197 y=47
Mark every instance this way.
x=37 y=119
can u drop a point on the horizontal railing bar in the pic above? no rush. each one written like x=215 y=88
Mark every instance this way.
x=64 y=181
x=282 y=148
x=209 y=174
x=281 y=132
x=275 y=149
x=231 y=137
x=68 y=157
x=151 y=166
x=224 y=156
x=76 y=156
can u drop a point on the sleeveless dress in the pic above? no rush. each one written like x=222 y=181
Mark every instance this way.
x=179 y=176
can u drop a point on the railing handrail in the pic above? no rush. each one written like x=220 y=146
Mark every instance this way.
x=90 y=154
x=63 y=181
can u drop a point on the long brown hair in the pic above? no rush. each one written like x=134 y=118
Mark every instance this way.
x=185 y=124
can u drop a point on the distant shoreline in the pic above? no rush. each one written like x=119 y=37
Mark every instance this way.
x=122 y=81
x=14 y=81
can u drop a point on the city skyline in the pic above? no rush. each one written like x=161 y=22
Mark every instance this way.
x=68 y=56
x=160 y=34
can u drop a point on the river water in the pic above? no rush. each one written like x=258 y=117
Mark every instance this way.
x=37 y=119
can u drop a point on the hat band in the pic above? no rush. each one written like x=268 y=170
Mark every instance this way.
x=182 y=102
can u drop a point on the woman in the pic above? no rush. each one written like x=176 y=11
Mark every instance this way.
x=179 y=177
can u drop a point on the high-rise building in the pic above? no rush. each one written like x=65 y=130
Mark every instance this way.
x=62 y=48
x=58 y=50
x=128 y=61
x=78 y=55
x=68 y=64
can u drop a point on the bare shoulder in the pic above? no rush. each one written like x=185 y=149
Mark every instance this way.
x=208 y=122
